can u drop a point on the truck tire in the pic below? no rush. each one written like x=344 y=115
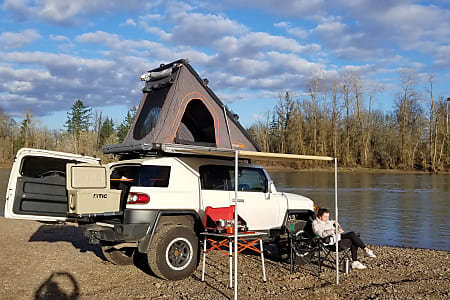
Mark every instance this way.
x=174 y=252
x=121 y=257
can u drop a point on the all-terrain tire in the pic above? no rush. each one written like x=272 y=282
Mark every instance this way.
x=121 y=257
x=174 y=252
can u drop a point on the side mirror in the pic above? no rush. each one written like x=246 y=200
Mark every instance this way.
x=270 y=187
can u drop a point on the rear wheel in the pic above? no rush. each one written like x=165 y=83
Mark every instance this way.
x=120 y=257
x=174 y=252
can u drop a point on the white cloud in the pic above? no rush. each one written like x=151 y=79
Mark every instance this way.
x=257 y=117
x=411 y=24
x=294 y=64
x=253 y=43
x=196 y=29
x=442 y=57
x=155 y=30
x=114 y=41
x=14 y=40
x=69 y=12
x=59 y=38
x=151 y=17
x=128 y=23
x=288 y=8
x=292 y=30
x=44 y=82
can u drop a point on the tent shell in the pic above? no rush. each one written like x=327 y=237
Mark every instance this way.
x=178 y=107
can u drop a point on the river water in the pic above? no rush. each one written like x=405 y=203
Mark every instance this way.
x=386 y=209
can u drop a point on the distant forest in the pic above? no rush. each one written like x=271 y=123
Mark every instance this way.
x=331 y=118
x=337 y=119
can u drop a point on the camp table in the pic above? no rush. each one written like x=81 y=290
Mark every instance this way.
x=246 y=240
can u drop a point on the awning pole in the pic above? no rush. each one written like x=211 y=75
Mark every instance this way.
x=336 y=218
x=236 y=170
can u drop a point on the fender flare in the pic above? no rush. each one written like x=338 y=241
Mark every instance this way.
x=145 y=244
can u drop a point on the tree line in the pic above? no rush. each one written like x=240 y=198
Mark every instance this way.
x=85 y=132
x=337 y=119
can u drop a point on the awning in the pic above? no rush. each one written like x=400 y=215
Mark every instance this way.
x=200 y=150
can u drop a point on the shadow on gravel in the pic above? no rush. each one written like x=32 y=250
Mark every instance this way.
x=58 y=286
x=141 y=262
x=213 y=287
x=65 y=233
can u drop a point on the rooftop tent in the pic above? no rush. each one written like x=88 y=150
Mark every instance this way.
x=177 y=107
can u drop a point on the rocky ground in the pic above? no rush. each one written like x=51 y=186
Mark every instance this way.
x=55 y=262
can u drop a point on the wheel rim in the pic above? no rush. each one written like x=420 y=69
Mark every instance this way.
x=179 y=254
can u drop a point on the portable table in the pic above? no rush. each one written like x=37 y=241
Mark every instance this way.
x=246 y=240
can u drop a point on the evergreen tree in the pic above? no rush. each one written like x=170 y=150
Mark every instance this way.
x=122 y=129
x=78 y=119
x=106 y=130
x=25 y=132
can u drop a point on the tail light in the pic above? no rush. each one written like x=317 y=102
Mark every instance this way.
x=315 y=207
x=138 y=198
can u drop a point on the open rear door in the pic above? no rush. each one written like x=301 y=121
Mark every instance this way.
x=37 y=184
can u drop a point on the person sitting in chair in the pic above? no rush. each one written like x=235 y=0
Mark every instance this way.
x=324 y=227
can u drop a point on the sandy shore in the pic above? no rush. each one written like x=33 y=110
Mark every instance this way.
x=55 y=262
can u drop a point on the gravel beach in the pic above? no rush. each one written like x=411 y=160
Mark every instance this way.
x=44 y=261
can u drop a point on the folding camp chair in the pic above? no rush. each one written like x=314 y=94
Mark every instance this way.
x=303 y=248
x=306 y=247
x=212 y=214
x=329 y=252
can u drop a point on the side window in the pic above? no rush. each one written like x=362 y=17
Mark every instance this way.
x=214 y=177
x=36 y=166
x=154 y=176
x=149 y=176
x=126 y=175
x=249 y=180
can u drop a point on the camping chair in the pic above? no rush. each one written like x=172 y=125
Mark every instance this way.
x=212 y=214
x=329 y=252
x=303 y=248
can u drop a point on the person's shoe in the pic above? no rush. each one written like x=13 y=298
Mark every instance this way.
x=357 y=265
x=369 y=253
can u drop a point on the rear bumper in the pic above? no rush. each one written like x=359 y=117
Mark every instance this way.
x=136 y=224
x=119 y=233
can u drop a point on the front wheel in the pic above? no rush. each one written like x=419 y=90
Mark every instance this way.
x=174 y=252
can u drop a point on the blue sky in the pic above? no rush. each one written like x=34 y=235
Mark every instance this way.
x=53 y=52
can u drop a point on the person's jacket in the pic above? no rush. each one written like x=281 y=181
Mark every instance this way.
x=325 y=229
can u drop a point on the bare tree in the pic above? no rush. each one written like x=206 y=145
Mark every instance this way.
x=313 y=90
x=346 y=83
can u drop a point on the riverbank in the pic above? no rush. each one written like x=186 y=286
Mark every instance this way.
x=55 y=262
x=351 y=170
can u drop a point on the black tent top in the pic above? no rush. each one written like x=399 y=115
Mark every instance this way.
x=178 y=107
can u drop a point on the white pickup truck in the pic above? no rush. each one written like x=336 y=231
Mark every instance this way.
x=153 y=204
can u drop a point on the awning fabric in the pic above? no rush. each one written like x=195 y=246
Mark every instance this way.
x=223 y=152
